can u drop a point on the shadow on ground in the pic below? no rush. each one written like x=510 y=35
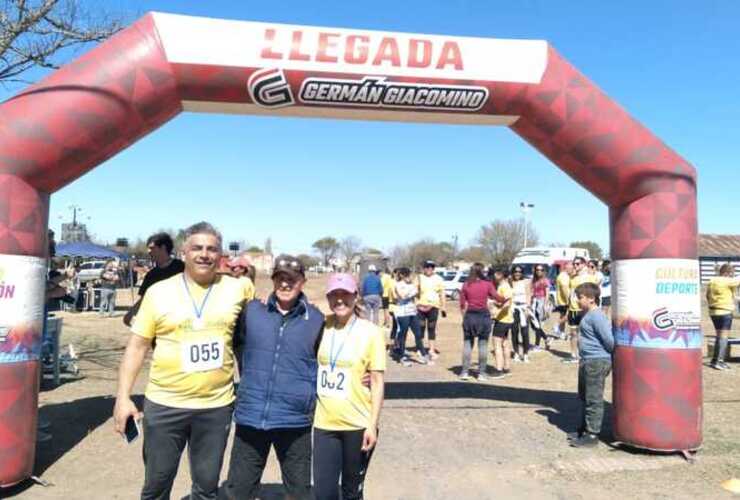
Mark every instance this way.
x=562 y=409
x=71 y=422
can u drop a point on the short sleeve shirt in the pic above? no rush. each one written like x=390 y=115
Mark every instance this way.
x=193 y=362
x=430 y=288
x=562 y=284
x=720 y=292
x=344 y=356
x=506 y=313
x=574 y=283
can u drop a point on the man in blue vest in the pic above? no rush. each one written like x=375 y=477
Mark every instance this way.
x=277 y=393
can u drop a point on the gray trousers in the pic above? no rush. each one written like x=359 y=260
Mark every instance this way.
x=592 y=375
x=372 y=305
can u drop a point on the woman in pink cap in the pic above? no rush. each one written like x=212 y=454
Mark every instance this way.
x=347 y=413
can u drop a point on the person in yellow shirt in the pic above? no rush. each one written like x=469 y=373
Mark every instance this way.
x=387 y=281
x=721 y=301
x=575 y=314
x=503 y=316
x=562 y=296
x=190 y=393
x=347 y=413
x=431 y=302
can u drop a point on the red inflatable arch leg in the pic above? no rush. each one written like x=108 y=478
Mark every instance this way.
x=54 y=132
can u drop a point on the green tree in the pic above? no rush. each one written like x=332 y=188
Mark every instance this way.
x=593 y=248
x=254 y=249
x=308 y=260
x=503 y=239
x=327 y=247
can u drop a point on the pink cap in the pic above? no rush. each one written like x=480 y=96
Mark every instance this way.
x=341 y=281
x=240 y=261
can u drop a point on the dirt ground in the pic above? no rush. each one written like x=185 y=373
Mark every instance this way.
x=440 y=438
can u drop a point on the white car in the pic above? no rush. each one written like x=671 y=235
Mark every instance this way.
x=453 y=282
x=90 y=271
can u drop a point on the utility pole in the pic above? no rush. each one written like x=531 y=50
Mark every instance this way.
x=525 y=207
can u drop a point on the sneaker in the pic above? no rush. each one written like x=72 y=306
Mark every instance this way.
x=717 y=366
x=482 y=378
x=465 y=376
x=572 y=436
x=421 y=359
x=587 y=440
x=498 y=375
x=725 y=366
x=525 y=359
x=405 y=361
x=535 y=349
x=569 y=361
x=517 y=358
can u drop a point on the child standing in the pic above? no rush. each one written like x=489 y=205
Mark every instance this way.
x=595 y=349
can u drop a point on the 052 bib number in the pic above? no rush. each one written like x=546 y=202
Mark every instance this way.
x=202 y=355
x=333 y=383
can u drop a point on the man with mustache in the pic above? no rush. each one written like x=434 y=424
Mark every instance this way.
x=190 y=395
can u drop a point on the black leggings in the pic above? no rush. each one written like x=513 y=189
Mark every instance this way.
x=518 y=329
x=428 y=320
x=335 y=454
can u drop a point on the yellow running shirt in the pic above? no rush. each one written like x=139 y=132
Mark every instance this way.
x=429 y=289
x=193 y=361
x=720 y=295
x=574 y=282
x=344 y=404
x=506 y=313
x=562 y=284
x=386 y=280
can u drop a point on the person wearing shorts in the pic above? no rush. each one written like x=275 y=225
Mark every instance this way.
x=503 y=322
x=431 y=302
x=347 y=413
x=575 y=315
x=474 y=296
x=721 y=301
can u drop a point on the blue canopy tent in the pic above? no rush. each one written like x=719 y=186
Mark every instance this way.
x=87 y=250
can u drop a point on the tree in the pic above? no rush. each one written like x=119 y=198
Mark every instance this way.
x=308 y=260
x=254 y=249
x=327 y=248
x=33 y=33
x=474 y=254
x=349 y=247
x=593 y=248
x=503 y=239
x=415 y=254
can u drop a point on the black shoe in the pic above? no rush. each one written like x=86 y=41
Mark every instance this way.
x=588 y=440
x=572 y=436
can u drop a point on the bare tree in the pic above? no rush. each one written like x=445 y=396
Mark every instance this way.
x=348 y=248
x=415 y=254
x=33 y=33
x=502 y=239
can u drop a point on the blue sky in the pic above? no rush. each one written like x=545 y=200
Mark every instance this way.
x=672 y=65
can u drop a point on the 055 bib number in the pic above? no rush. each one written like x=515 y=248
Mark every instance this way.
x=202 y=355
x=333 y=383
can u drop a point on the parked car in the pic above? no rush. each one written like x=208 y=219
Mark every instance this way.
x=90 y=271
x=453 y=282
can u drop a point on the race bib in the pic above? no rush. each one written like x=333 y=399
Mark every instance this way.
x=202 y=355
x=333 y=383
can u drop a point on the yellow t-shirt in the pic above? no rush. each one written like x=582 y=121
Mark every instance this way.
x=574 y=282
x=343 y=402
x=506 y=313
x=193 y=361
x=386 y=280
x=720 y=295
x=562 y=286
x=430 y=288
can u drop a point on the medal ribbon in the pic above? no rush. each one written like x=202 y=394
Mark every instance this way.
x=334 y=356
x=198 y=311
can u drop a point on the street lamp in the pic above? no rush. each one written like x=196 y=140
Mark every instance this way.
x=525 y=207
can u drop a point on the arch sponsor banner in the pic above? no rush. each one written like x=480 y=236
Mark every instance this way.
x=657 y=303
x=22 y=284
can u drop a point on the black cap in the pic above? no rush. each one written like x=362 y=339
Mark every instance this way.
x=429 y=263
x=288 y=264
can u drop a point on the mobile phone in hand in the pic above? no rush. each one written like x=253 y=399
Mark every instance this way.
x=132 y=430
x=444 y=313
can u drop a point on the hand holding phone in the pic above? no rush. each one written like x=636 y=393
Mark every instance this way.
x=132 y=430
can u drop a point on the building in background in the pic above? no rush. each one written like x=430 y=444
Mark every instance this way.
x=715 y=250
x=74 y=232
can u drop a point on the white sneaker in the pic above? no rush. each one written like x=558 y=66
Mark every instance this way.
x=526 y=359
x=422 y=360
x=517 y=358
x=464 y=376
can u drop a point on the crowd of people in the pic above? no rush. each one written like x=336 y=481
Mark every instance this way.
x=312 y=385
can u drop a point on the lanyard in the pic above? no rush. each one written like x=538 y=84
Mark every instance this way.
x=198 y=311
x=334 y=356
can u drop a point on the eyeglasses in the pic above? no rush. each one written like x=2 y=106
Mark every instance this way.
x=289 y=263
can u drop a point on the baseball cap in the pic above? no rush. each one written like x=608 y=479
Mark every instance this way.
x=241 y=261
x=288 y=264
x=341 y=281
x=429 y=263
x=372 y=267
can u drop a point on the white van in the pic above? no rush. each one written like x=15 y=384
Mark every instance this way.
x=527 y=258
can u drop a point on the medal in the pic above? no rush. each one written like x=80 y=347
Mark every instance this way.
x=198 y=322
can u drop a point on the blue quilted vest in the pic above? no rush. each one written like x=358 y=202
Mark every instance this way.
x=278 y=378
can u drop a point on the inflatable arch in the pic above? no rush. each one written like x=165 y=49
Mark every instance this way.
x=55 y=131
